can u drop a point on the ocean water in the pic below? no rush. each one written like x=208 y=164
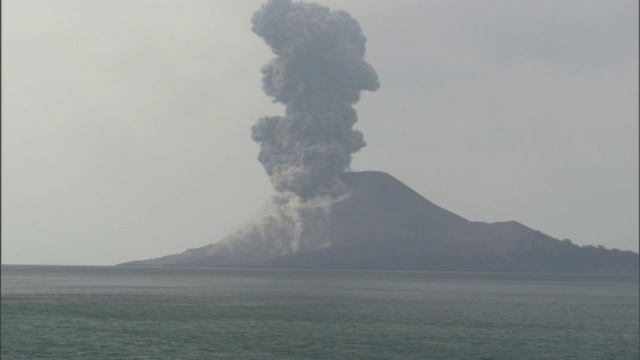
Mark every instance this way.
x=59 y=312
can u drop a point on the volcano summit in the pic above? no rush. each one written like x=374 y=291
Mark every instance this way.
x=383 y=224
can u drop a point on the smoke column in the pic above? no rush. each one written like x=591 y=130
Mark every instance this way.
x=318 y=74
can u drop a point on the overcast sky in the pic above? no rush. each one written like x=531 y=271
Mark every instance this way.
x=126 y=124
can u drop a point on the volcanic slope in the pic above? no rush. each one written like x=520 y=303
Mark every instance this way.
x=383 y=224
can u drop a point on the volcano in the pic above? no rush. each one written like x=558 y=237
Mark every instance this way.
x=383 y=224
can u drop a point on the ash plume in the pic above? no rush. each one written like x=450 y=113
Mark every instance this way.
x=318 y=73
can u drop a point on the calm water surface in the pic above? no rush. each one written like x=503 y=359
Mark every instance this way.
x=59 y=312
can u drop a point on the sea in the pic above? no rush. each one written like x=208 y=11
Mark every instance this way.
x=93 y=312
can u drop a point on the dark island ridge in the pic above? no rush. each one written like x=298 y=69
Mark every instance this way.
x=385 y=225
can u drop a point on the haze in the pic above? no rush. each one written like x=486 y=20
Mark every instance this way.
x=126 y=126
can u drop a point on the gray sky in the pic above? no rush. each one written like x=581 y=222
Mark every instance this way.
x=126 y=124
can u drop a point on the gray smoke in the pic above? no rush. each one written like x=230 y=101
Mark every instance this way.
x=318 y=74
